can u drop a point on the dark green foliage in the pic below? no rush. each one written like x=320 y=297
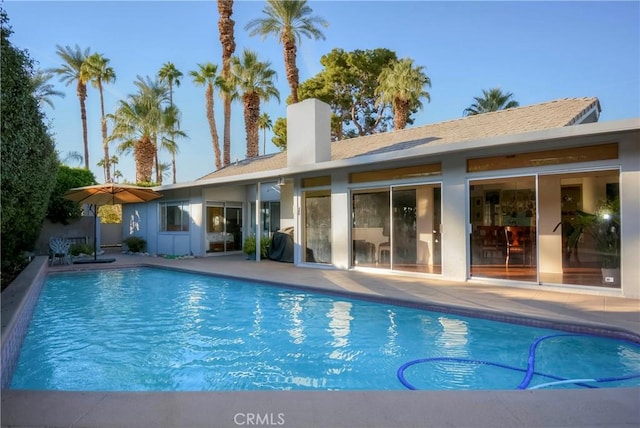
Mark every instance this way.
x=62 y=210
x=280 y=134
x=135 y=244
x=29 y=160
x=348 y=84
x=264 y=247
x=249 y=246
x=77 y=249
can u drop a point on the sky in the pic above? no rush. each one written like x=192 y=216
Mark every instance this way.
x=539 y=51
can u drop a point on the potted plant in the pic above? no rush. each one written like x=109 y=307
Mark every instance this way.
x=604 y=227
x=249 y=247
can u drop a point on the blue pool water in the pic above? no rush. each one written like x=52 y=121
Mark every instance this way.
x=159 y=330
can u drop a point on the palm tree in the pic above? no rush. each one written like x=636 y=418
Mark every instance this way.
x=225 y=28
x=100 y=163
x=154 y=93
x=402 y=85
x=165 y=169
x=170 y=118
x=96 y=70
x=135 y=122
x=255 y=82
x=170 y=74
x=69 y=73
x=264 y=123
x=113 y=161
x=208 y=75
x=71 y=156
x=492 y=100
x=42 y=89
x=288 y=20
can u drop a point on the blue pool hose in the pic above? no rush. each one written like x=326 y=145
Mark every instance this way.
x=529 y=371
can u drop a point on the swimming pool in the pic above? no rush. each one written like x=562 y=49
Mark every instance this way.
x=148 y=329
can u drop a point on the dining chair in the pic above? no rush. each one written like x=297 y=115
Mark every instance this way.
x=515 y=241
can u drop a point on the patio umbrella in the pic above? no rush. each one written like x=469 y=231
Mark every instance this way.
x=109 y=194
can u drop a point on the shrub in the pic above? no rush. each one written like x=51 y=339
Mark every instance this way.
x=249 y=246
x=77 y=249
x=264 y=247
x=135 y=244
x=62 y=210
x=28 y=157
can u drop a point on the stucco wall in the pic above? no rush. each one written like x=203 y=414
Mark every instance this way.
x=77 y=229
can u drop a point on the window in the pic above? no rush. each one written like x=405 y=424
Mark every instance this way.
x=417 y=171
x=317 y=226
x=174 y=216
x=547 y=157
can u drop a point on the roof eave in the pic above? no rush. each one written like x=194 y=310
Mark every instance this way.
x=587 y=129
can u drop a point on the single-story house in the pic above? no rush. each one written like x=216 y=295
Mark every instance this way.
x=540 y=195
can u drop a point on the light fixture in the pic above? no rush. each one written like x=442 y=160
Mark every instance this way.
x=281 y=182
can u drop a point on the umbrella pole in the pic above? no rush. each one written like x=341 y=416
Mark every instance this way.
x=95 y=232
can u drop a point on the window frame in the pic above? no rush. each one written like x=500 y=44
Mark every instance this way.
x=183 y=207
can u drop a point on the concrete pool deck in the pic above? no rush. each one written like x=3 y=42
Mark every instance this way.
x=540 y=408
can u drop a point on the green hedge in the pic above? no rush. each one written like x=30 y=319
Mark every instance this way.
x=28 y=157
x=62 y=210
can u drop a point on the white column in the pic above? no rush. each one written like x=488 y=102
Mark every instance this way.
x=340 y=221
x=455 y=219
x=549 y=216
x=258 y=219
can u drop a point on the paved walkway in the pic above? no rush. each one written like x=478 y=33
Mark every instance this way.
x=615 y=407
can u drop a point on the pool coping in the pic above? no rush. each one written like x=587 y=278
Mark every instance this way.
x=604 y=407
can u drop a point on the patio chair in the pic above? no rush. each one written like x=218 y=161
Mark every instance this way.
x=59 y=250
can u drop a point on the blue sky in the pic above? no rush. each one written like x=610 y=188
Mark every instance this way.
x=538 y=50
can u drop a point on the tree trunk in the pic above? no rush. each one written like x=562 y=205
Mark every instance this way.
x=173 y=126
x=226 y=137
x=143 y=156
x=251 y=118
x=173 y=166
x=156 y=160
x=400 y=114
x=105 y=143
x=212 y=125
x=225 y=29
x=82 y=96
x=290 y=65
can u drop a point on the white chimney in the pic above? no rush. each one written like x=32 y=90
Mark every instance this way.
x=308 y=132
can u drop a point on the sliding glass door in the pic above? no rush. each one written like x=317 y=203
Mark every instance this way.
x=397 y=228
x=568 y=233
x=224 y=227
x=317 y=226
x=581 y=229
x=503 y=228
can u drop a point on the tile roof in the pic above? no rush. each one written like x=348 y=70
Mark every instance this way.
x=548 y=115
